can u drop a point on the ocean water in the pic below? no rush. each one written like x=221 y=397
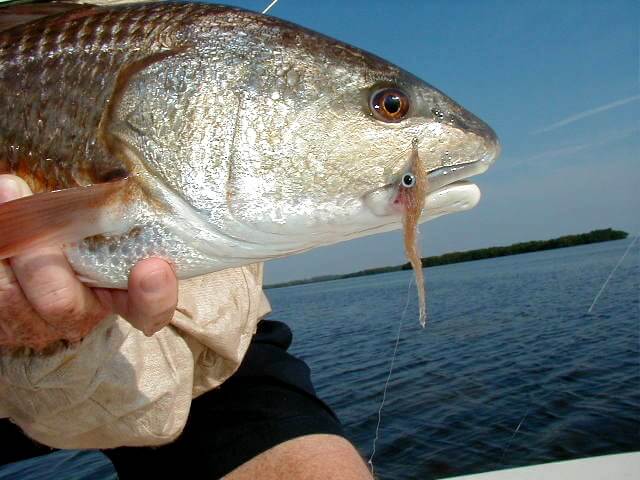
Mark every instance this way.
x=510 y=371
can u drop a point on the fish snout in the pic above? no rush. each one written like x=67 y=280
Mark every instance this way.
x=491 y=143
x=490 y=147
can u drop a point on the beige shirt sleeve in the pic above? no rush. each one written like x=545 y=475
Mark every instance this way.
x=118 y=387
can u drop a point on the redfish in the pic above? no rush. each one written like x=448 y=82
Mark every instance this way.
x=215 y=137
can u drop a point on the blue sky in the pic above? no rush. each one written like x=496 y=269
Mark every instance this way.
x=558 y=81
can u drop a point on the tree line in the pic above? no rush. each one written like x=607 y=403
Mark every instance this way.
x=594 y=236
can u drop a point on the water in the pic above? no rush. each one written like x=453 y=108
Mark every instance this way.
x=509 y=343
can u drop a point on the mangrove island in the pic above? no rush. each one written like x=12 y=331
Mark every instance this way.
x=603 y=235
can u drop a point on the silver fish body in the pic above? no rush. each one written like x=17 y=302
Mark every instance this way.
x=243 y=137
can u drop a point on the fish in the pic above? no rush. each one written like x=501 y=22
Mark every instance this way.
x=216 y=137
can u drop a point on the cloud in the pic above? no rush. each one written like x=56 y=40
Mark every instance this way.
x=587 y=113
x=569 y=149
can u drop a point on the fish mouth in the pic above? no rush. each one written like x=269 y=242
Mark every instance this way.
x=454 y=197
x=444 y=176
x=448 y=191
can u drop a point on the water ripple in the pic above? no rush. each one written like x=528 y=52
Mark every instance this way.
x=509 y=343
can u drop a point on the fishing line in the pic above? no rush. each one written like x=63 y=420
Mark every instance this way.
x=386 y=384
x=269 y=7
x=606 y=282
x=514 y=434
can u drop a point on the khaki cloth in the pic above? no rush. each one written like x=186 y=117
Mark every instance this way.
x=118 y=387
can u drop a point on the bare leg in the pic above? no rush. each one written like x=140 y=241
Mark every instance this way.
x=310 y=457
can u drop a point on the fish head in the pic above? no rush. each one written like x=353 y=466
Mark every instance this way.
x=337 y=155
x=284 y=139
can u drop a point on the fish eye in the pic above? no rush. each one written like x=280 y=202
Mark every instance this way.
x=389 y=104
x=408 y=180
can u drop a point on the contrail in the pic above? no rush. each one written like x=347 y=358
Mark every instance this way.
x=587 y=113
x=569 y=149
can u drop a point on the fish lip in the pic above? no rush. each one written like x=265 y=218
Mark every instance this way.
x=443 y=176
x=446 y=175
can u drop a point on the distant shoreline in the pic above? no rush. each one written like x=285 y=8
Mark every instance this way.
x=594 y=236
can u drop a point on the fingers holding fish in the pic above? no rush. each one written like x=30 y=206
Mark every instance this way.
x=55 y=293
x=41 y=300
x=18 y=321
x=20 y=324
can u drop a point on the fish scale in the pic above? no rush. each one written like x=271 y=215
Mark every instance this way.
x=83 y=54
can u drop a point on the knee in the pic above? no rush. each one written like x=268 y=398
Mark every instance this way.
x=309 y=457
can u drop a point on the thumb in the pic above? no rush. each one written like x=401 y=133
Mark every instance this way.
x=12 y=187
x=151 y=298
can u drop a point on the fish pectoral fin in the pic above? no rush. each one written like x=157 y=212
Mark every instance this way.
x=62 y=216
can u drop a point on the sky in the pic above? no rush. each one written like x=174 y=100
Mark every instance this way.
x=558 y=81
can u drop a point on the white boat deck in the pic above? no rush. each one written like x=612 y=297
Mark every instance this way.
x=623 y=466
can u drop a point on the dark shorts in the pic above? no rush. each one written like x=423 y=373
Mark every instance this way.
x=269 y=400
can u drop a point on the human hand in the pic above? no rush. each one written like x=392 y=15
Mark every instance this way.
x=42 y=300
